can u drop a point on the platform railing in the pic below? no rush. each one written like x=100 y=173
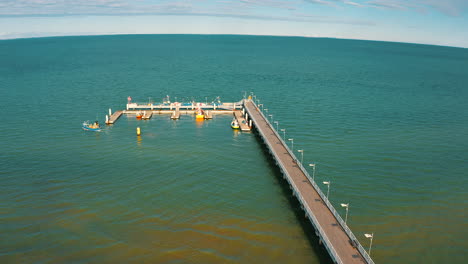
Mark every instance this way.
x=327 y=202
x=311 y=216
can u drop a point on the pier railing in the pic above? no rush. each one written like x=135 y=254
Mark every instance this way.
x=355 y=242
x=298 y=194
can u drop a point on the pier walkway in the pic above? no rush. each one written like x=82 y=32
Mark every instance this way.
x=336 y=236
x=113 y=117
x=241 y=120
x=176 y=114
x=147 y=115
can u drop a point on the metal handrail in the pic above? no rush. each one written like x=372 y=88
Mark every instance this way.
x=311 y=216
x=332 y=209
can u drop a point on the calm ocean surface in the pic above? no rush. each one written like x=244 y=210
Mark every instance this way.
x=386 y=123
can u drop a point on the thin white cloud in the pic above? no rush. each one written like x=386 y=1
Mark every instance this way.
x=321 y=2
x=388 y=4
x=217 y=7
x=353 y=3
x=271 y=3
x=447 y=7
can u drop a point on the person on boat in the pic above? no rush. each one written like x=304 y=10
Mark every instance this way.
x=95 y=125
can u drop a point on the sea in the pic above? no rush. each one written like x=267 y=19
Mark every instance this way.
x=385 y=123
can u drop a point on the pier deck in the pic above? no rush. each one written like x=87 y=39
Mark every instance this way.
x=147 y=114
x=114 y=117
x=175 y=114
x=318 y=209
x=241 y=120
x=208 y=115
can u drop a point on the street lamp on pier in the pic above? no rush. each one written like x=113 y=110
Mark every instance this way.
x=328 y=185
x=347 y=208
x=292 y=143
x=276 y=122
x=371 y=236
x=302 y=154
x=271 y=117
x=284 y=133
x=313 y=170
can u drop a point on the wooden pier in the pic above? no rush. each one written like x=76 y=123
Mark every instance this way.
x=208 y=115
x=333 y=232
x=176 y=114
x=147 y=115
x=111 y=120
x=335 y=235
x=244 y=126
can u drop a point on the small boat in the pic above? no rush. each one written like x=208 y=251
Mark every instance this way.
x=91 y=127
x=139 y=115
x=200 y=114
x=235 y=124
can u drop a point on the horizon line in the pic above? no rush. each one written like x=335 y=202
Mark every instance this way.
x=220 y=34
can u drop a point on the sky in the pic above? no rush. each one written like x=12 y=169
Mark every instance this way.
x=438 y=22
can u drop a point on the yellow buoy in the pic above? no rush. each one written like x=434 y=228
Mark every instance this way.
x=138 y=131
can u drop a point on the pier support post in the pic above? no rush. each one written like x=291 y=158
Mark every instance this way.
x=250 y=122
x=107 y=119
x=110 y=112
x=243 y=111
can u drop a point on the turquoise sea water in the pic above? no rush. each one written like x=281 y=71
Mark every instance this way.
x=386 y=123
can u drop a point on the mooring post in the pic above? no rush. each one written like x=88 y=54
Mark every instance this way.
x=107 y=119
x=110 y=112
x=250 y=122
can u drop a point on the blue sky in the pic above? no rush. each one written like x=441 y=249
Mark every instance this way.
x=440 y=22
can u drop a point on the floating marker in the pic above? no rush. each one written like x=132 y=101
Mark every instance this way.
x=138 y=131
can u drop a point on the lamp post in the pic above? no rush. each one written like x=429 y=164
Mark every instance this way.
x=271 y=117
x=266 y=110
x=371 y=236
x=302 y=154
x=284 y=133
x=313 y=170
x=328 y=184
x=276 y=122
x=292 y=143
x=347 y=207
x=260 y=105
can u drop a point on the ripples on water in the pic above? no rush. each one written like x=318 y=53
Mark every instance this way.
x=385 y=123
